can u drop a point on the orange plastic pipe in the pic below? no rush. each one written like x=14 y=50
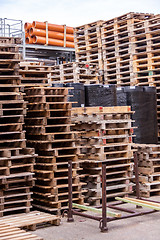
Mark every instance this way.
x=29 y=40
x=51 y=34
x=27 y=25
x=53 y=42
x=26 y=34
x=52 y=27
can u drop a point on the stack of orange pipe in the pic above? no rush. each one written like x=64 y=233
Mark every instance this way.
x=35 y=33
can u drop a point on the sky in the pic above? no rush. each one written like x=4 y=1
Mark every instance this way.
x=73 y=12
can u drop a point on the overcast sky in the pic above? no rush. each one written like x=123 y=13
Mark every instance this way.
x=73 y=12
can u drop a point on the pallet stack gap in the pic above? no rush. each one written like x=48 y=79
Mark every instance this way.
x=48 y=125
x=105 y=133
x=16 y=160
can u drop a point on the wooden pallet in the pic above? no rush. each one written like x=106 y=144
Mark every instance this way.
x=30 y=220
x=88 y=45
x=48 y=124
x=104 y=135
x=34 y=74
x=149 y=169
x=75 y=73
x=10 y=232
x=16 y=161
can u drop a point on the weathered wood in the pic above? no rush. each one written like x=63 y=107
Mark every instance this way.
x=139 y=203
x=96 y=210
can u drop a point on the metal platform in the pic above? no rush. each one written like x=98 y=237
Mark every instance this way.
x=43 y=52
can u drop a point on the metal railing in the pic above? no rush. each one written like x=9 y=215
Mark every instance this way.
x=11 y=27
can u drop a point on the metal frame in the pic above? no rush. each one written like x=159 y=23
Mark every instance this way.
x=11 y=27
x=52 y=53
x=14 y=28
x=103 y=220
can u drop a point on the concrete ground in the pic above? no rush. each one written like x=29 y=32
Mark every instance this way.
x=146 y=227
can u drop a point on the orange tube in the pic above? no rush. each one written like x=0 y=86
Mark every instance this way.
x=51 y=34
x=26 y=34
x=27 y=25
x=29 y=40
x=52 y=27
x=53 y=42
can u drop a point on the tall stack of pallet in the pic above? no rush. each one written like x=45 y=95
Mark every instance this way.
x=118 y=47
x=75 y=72
x=149 y=169
x=34 y=73
x=146 y=54
x=48 y=124
x=16 y=161
x=105 y=134
x=146 y=59
x=88 y=45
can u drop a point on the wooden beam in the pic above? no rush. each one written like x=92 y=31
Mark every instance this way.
x=144 y=201
x=96 y=210
x=133 y=201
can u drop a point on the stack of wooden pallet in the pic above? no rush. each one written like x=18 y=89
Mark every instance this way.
x=34 y=73
x=119 y=48
x=105 y=134
x=88 y=46
x=146 y=59
x=75 y=72
x=16 y=161
x=48 y=124
x=149 y=169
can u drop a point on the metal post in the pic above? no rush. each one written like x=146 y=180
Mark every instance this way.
x=64 y=35
x=46 y=33
x=104 y=200
x=24 y=45
x=4 y=33
x=9 y=30
x=136 y=177
x=70 y=214
x=70 y=57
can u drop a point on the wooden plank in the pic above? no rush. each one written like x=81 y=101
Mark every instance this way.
x=96 y=210
x=147 y=204
x=144 y=201
x=9 y=232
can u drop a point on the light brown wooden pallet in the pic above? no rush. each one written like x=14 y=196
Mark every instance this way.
x=30 y=220
x=115 y=152
x=58 y=144
x=10 y=40
x=8 y=232
x=76 y=72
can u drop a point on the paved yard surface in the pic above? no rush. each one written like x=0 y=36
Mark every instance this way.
x=145 y=227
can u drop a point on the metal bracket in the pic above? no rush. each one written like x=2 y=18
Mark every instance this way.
x=65 y=212
x=24 y=46
x=64 y=35
x=103 y=229
x=46 y=22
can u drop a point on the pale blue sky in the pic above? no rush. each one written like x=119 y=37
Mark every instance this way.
x=73 y=12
